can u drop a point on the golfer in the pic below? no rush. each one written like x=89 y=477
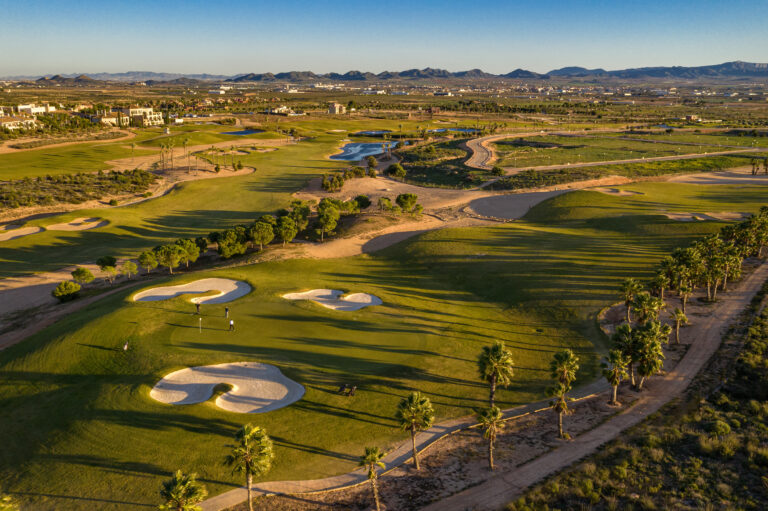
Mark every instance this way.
x=197 y=307
x=226 y=312
x=231 y=325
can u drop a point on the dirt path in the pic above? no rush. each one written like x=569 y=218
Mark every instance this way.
x=707 y=332
x=483 y=155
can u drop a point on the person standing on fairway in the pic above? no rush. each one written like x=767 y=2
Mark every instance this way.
x=197 y=307
x=226 y=312
x=231 y=325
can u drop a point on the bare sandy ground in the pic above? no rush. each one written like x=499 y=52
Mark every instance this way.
x=256 y=388
x=336 y=300
x=78 y=224
x=227 y=291
x=12 y=234
x=737 y=176
x=727 y=216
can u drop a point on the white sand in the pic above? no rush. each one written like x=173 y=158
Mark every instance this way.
x=335 y=299
x=18 y=233
x=684 y=217
x=78 y=224
x=256 y=388
x=228 y=290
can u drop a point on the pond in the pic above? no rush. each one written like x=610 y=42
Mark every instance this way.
x=462 y=130
x=242 y=132
x=356 y=151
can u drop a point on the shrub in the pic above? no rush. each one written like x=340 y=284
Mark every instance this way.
x=363 y=201
x=396 y=170
x=82 y=275
x=66 y=290
x=113 y=202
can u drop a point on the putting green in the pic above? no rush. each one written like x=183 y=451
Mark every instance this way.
x=84 y=425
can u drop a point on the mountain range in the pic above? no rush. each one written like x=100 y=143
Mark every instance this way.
x=727 y=70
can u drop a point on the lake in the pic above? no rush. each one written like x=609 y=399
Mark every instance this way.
x=242 y=132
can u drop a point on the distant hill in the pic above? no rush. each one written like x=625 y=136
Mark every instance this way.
x=725 y=71
x=525 y=74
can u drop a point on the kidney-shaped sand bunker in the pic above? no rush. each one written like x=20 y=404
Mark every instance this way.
x=256 y=387
x=228 y=290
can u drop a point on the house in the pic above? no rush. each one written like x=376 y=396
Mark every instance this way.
x=279 y=110
x=112 y=119
x=143 y=116
x=335 y=108
x=33 y=109
x=216 y=91
x=17 y=123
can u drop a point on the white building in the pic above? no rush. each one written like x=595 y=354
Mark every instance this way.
x=217 y=91
x=33 y=109
x=335 y=108
x=17 y=123
x=143 y=116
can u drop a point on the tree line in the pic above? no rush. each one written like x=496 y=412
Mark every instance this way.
x=708 y=264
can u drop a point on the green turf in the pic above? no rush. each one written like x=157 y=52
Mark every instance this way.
x=86 y=157
x=192 y=209
x=560 y=150
x=78 y=411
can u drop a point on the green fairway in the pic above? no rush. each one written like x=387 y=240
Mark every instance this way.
x=82 y=424
x=561 y=150
x=194 y=208
x=85 y=157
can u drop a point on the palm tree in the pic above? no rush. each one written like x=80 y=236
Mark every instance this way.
x=182 y=493
x=563 y=369
x=651 y=355
x=564 y=366
x=615 y=370
x=252 y=454
x=415 y=413
x=559 y=405
x=659 y=283
x=491 y=421
x=680 y=318
x=372 y=460
x=685 y=292
x=629 y=288
x=647 y=306
x=185 y=142
x=496 y=367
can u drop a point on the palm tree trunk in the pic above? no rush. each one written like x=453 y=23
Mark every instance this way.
x=560 y=424
x=415 y=454
x=709 y=291
x=490 y=454
x=614 y=399
x=375 y=494
x=677 y=332
x=632 y=374
x=725 y=281
x=628 y=305
x=640 y=385
x=661 y=293
x=493 y=390
x=249 y=482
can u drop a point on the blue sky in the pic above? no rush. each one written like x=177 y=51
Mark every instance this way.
x=233 y=36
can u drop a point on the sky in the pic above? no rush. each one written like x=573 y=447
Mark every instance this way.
x=239 y=36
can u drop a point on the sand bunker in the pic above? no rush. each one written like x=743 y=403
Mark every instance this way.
x=78 y=224
x=727 y=216
x=335 y=299
x=228 y=290
x=616 y=191
x=685 y=217
x=18 y=233
x=256 y=388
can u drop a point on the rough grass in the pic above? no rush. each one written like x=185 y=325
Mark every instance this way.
x=77 y=406
x=561 y=150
